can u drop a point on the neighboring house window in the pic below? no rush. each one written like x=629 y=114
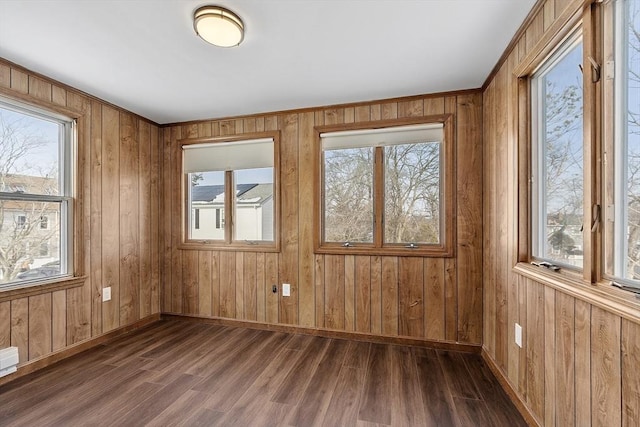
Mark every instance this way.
x=557 y=156
x=622 y=175
x=387 y=189
x=35 y=178
x=44 y=249
x=219 y=218
x=21 y=222
x=232 y=189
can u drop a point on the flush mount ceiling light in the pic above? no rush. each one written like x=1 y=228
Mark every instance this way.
x=218 y=26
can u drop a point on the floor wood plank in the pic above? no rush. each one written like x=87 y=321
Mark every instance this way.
x=180 y=373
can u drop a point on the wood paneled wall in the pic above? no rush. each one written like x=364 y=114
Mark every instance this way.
x=424 y=298
x=579 y=363
x=118 y=204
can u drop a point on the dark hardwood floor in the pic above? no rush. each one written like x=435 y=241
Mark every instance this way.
x=196 y=374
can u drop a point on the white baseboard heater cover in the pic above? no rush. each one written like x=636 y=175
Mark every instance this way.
x=8 y=360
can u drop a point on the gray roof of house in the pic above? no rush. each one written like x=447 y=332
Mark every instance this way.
x=208 y=193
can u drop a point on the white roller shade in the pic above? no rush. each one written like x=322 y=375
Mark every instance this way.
x=432 y=132
x=226 y=156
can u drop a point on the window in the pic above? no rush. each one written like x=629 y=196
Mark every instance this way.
x=35 y=193
x=385 y=188
x=232 y=192
x=557 y=156
x=622 y=234
x=21 y=222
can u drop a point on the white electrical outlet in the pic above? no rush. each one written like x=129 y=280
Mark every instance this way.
x=518 y=335
x=286 y=290
x=106 y=294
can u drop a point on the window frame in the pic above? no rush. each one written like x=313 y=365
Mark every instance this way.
x=586 y=18
x=445 y=248
x=229 y=243
x=70 y=223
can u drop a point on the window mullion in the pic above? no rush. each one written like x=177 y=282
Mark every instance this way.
x=591 y=128
x=378 y=197
x=229 y=206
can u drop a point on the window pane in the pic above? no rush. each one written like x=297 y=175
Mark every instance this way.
x=558 y=160
x=253 y=205
x=627 y=199
x=206 y=197
x=412 y=193
x=348 y=195
x=29 y=251
x=29 y=153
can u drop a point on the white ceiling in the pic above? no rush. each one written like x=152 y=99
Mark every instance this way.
x=143 y=55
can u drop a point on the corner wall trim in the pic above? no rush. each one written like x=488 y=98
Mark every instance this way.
x=511 y=392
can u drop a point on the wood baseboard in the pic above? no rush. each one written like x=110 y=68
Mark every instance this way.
x=513 y=394
x=74 y=349
x=330 y=333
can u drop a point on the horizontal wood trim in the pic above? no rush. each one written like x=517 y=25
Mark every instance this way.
x=453 y=93
x=221 y=246
x=50 y=359
x=513 y=394
x=329 y=333
x=561 y=28
x=622 y=303
x=424 y=251
x=23 y=291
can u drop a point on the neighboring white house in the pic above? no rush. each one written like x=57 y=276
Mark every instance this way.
x=29 y=232
x=253 y=215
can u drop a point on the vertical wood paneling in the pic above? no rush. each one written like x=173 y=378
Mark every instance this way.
x=410 y=296
x=306 y=156
x=190 y=280
x=204 y=283
x=39 y=325
x=565 y=397
x=630 y=375
x=434 y=317
x=20 y=327
x=363 y=293
x=215 y=284
x=110 y=216
x=469 y=213
x=349 y=292
x=549 y=356
x=129 y=296
x=534 y=344
x=96 y=218
x=583 y=363
x=390 y=295
x=261 y=288
x=176 y=223
x=334 y=279
x=376 y=295
x=144 y=218
x=239 y=288
x=227 y=284
x=289 y=204
x=272 y=278
x=5 y=324
x=155 y=221
x=250 y=287
x=606 y=394
x=58 y=320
